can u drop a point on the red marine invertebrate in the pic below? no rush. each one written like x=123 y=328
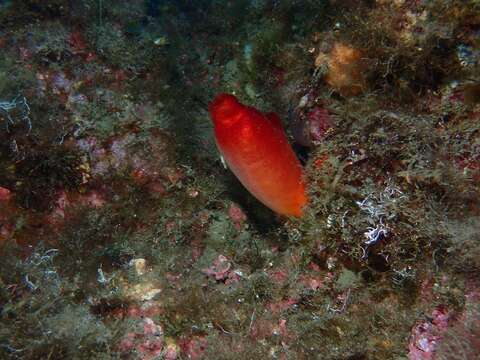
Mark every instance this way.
x=256 y=149
x=313 y=127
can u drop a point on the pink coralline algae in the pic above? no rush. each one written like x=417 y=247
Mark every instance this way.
x=312 y=127
x=282 y=305
x=462 y=340
x=319 y=123
x=279 y=276
x=312 y=283
x=56 y=83
x=281 y=329
x=221 y=270
x=92 y=199
x=427 y=335
x=78 y=46
x=8 y=215
x=65 y=202
x=315 y=279
x=147 y=343
x=77 y=43
x=104 y=159
x=171 y=352
x=265 y=328
x=58 y=212
x=194 y=347
x=5 y=194
x=7 y=225
x=119 y=155
x=237 y=216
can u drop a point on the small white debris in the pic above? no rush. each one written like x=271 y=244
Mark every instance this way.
x=143 y=292
x=303 y=101
x=330 y=221
x=224 y=163
x=140 y=265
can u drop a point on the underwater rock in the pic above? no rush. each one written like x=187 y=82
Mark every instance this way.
x=144 y=291
x=143 y=183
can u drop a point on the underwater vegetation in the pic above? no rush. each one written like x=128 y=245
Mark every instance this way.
x=123 y=236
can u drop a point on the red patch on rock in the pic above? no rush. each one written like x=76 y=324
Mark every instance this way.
x=57 y=215
x=318 y=162
x=319 y=123
x=25 y=54
x=281 y=305
x=426 y=335
x=175 y=175
x=90 y=57
x=312 y=283
x=261 y=329
x=173 y=279
x=5 y=194
x=119 y=77
x=171 y=352
x=77 y=43
x=147 y=343
x=279 y=276
x=282 y=328
x=194 y=348
x=221 y=270
x=237 y=216
x=92 y=199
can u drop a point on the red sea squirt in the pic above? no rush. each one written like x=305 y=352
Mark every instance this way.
x=256 y=149
x=319 y=123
